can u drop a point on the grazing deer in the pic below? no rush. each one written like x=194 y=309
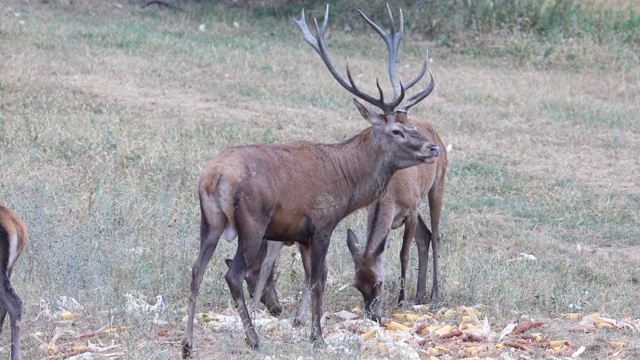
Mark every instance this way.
x=300 y=191
x=13 y=235
x=397 y=207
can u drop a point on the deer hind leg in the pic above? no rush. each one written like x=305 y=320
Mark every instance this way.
x=250 y=235
x=211 y=227
x=12 y=304
x=268 y=297
x=407 y=239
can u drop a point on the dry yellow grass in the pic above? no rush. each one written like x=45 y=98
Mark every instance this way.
x=108 y=113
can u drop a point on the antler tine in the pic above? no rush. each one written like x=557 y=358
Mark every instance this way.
x=416 y=98
x=392 y=40
x=370 y=99
x=318 y=45
x=422 y=72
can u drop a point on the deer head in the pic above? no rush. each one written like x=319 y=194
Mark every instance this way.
x=369 y=277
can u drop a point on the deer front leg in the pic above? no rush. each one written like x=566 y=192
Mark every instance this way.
x=435 y=289
x=407 y=239
x=435 y=209
x=320 y=245
x=305 y=253
x=423 y=237
x=3 y=315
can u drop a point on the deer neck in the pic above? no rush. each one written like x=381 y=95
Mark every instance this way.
x=366 y=168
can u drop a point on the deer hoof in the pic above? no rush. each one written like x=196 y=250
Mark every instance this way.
x=186 y=350
x=318 y=342
x=276 y=311
x=420 y=299
x=298 y=321
x=253 y=342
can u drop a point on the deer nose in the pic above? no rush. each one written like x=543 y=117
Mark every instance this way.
x=435 y=149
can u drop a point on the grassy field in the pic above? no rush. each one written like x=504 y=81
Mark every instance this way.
x=108 y=113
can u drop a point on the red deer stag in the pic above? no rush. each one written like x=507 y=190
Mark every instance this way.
x=300 y=191
x=397 y=207
x=13 y=235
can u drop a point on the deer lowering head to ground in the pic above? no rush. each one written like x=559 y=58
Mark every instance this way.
x=300 y=191
x=397 y=207
x=13 y=235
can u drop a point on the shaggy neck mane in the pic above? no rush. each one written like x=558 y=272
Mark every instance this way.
x=366 y=170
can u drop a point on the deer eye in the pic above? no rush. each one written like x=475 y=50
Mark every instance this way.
x=398 y=133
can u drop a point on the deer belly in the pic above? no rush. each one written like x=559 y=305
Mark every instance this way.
x=297 y=230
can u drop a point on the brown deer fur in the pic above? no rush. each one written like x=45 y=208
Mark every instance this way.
x=400 y=206
x=13 y=235
x=300 y=191
x=296 y=192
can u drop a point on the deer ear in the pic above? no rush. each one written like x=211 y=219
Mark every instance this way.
x=371 y=116
x=352 y=244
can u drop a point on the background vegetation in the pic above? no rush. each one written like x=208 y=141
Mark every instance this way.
x=108 y=112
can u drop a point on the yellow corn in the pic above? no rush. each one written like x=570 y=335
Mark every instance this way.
x=52 y=350
x=472 y=350
x=618 y=344
x=68 y=315
x=367 y=334
x=557 y=343
x=428 y=329
x=450 y=313
x=444 y=330
x=602 y=325
x=438 y=349
x=392 y=325
x=113 y=330
x=572 y=316
x=78 y=348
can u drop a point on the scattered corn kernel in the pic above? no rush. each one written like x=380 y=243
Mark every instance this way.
x=68 y=315
x=392 y=325
x=618 y=344
x=572 y=316
x=367 y=334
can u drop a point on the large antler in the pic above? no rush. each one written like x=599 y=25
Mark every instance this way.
x=392 y=40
